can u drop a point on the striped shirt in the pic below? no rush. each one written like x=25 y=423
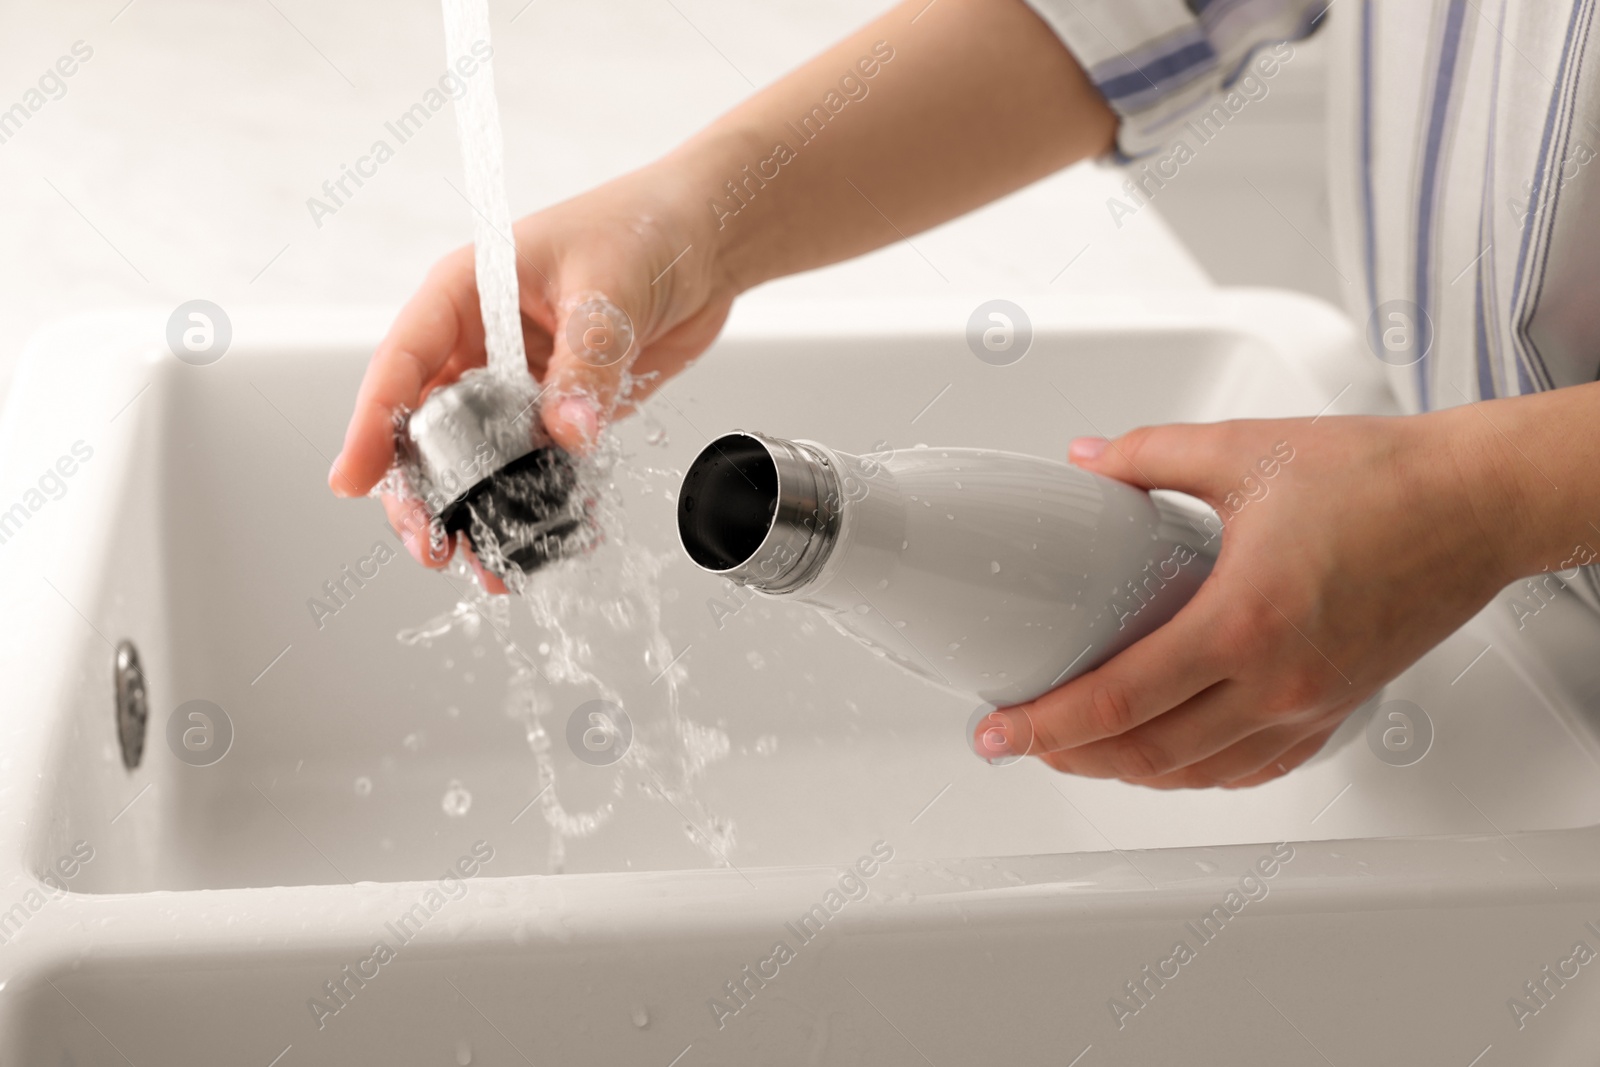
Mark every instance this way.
x=1466 y=201
x=1466 y=209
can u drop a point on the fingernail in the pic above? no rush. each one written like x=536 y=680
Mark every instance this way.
x=1086 y=449
x=337 y=481
x=580 y=413
x=993 y=741
x=441 y=545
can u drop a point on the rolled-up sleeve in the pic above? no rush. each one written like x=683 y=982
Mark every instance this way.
x=1156 y=61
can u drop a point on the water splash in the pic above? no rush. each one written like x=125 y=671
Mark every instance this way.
x=457 y=801
x=599 y=636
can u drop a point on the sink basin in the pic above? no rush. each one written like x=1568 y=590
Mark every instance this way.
x=227 y=897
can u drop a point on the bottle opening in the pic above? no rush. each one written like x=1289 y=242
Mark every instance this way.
x=728 y=501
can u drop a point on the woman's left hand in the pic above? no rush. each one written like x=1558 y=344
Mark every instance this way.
x=1351 y=547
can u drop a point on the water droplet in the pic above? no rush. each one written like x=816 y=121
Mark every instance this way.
x=900 y=623
x=756 y=660
x=544 y=648
x=904 y=545
x=457 y=801
x=994 y=566
x=883 y=583
x=464 y=1053
x=453 y=711
x=862 y=609
x=363 y=786
x=413 y=742
x=641 y=1017
x=948 y=515
x=958 y=486
x=766 y=744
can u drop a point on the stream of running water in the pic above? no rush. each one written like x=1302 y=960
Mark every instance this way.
x=600 y=677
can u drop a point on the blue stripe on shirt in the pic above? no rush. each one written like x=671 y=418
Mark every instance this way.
x=1166 y=71
x=1483 y=348
x=1428 y=190
x=1368 y=211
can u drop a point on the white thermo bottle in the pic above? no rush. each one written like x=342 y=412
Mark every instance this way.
x=995 y=574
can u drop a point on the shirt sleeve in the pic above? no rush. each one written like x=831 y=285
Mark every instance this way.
x=1156 y=61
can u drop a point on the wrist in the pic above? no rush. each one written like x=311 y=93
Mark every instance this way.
x=699 y=173
x=1526 y=518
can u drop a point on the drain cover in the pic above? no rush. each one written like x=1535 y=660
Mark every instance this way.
x=133 y=706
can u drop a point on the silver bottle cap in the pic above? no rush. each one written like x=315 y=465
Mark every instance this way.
x=468 y=430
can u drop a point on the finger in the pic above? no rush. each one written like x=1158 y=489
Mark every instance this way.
x=598 y=334
x=411 y=521
x=1258 y=756
x=1189 y=733
x=1209 y=734
x=1283 y=764
x=1246 y=757
x=1150 y=677
x=1265 y=755
x=1194 y=458
x=438 y=322
x=487 y=578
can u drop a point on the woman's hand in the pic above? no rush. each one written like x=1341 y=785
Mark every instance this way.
x=1351 y=547
x=638 y=242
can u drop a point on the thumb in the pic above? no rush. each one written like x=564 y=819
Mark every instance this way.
x=594 y=343
x=1190 y=458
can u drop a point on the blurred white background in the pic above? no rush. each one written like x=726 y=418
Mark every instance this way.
x=178 y=163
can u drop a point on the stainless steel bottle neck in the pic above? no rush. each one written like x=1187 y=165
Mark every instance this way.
x=759 y=510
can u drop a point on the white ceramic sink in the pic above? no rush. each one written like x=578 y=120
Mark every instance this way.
x=220 y=899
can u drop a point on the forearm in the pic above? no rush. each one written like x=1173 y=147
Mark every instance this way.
x=1532 y=467
x=898 y=128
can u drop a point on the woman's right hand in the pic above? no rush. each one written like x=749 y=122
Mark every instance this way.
x=637 y=243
